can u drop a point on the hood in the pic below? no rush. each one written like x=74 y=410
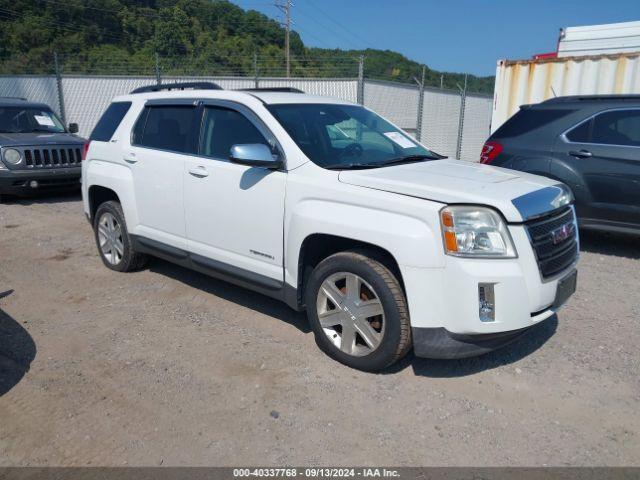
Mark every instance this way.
x=38 y=138
x=512 y=192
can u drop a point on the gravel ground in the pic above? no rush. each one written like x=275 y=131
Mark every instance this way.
x=169 y=367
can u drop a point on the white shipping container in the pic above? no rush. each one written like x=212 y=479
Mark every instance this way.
x=606 y=39
x=520 y=82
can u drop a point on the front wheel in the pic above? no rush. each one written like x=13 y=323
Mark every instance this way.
x=358 y=311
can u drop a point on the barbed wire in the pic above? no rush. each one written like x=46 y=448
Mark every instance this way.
x=221 y=64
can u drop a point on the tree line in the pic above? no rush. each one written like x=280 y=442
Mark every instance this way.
x=185 y=37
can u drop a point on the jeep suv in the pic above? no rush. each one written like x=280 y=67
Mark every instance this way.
x=37 y=151
x=328 y=207
x=591 y=143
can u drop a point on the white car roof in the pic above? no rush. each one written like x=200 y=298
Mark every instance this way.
x=267 y=97
x=272 y=98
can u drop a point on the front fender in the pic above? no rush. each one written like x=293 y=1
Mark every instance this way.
x=409 y=238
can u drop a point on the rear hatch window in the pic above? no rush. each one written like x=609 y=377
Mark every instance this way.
x=109 y=121
x=527 y=120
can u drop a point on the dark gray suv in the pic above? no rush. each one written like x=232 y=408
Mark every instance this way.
x=591 y=143
x=37 y=152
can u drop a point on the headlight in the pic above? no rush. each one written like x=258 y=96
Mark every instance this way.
x=470 y=231
x=565 y=197
x=12 y=156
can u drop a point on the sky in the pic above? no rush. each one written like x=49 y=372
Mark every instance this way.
x=455 y=36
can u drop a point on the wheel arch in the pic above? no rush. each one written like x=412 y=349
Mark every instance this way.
x=318 y=246
x=99 y=195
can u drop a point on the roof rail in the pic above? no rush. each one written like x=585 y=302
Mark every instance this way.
x=594 y=98
x=272 y=89
x=178 y=86
x=16 y=98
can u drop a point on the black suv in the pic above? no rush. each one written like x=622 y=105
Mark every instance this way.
x=591 y=143
x=37 y=152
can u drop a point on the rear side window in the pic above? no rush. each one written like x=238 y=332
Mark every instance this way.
x=166 y=128
x=527 y=120
x=619 y=127
x=581 y=133
x=109 y=121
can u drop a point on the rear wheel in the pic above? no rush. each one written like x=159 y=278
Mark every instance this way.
x=113 y=240
x=358 y=311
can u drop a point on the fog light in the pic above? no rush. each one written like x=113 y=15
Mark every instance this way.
x=486 y=302
x=33 y=184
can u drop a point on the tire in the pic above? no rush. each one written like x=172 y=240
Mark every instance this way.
x=123 y=258
x=377 y=289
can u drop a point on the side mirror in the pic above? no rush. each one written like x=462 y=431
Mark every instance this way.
x=73 y=128
x=254 y=155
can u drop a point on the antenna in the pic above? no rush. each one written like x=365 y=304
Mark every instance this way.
x=285 y=7
x=553 y=91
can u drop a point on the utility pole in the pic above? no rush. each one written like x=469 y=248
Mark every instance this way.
x=285 y=7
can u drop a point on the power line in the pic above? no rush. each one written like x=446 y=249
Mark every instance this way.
x=349 y=31
x=326 y=28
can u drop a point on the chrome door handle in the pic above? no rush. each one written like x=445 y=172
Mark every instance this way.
x=580 y=153
x=199 y=172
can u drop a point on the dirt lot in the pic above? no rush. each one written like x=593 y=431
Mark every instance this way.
x=169 y=367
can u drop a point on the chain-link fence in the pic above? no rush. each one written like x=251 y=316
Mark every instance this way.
x=454 y=123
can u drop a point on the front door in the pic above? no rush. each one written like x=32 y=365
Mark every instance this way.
x=234 y=213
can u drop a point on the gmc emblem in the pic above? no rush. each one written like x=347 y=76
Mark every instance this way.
x=559 y=235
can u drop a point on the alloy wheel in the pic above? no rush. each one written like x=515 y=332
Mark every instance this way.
x=350 y=313
x=110 y=238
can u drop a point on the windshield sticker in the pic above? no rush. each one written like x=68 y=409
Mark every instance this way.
x=400 y=139
x=44 y=120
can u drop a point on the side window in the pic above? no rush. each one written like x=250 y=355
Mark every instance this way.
x=166 y=128
x=619 y=127
x=138 y=128
x=529 y=119
x=581 y=133
x=222 y=128
x=109 y=122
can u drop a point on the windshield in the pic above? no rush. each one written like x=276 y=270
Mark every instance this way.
x=347 y=136
x=29 y=119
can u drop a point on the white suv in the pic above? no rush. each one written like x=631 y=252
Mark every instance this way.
x=326 y=206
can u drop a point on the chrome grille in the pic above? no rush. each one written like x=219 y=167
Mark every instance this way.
x=50 y=157
x=555 y=241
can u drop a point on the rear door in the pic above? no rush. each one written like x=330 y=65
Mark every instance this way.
x=164 y=136
x=605 y=151
x=234 y=213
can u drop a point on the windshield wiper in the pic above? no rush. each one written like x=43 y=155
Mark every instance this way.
x=393 y=161
x=351 y=166
x=407 y=159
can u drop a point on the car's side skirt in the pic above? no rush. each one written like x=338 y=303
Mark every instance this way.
x=238 y=276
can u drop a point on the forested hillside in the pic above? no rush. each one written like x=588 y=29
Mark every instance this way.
x=212 y=37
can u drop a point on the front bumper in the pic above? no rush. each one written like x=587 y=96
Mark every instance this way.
x=442 y=344
x=444 y=302
x=18 y=182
